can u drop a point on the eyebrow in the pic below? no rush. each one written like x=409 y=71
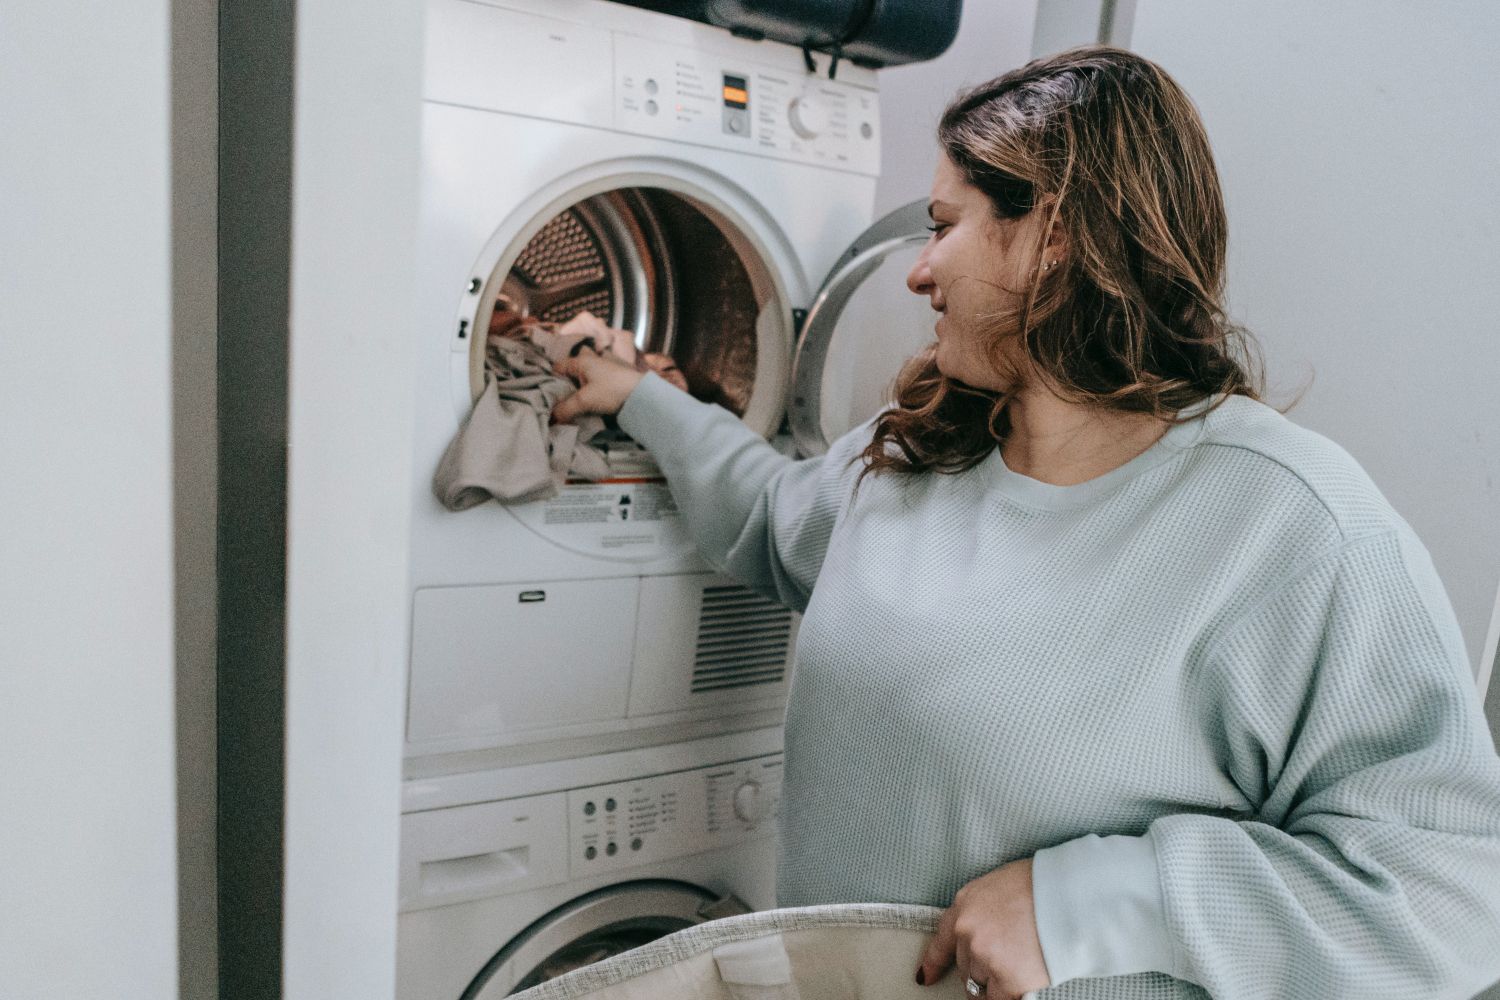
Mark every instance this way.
x=932 y=206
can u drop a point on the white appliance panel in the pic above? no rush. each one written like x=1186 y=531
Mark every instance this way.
x=675 y=94
x=482 y=57
x=683 y=661
x=612 y=828
x=495 y=660
x=486 y=849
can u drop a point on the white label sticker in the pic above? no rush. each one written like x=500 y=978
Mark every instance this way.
x=630 y=514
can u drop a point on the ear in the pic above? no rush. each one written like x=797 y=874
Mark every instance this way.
x=1052 y=234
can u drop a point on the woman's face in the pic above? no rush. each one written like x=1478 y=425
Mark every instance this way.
x=975 y=271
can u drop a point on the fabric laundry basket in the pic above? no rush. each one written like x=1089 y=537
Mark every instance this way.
x=849 y=952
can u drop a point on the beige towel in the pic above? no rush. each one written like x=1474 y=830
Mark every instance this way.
x=507 y=449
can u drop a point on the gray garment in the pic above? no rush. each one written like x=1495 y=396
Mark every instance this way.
x=507 y=449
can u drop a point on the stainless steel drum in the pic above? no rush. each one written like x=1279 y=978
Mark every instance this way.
x=660 y=264
x=606 y=254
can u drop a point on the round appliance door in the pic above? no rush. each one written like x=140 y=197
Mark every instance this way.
x=863 y=325
x=595 y=927
x=700 y=293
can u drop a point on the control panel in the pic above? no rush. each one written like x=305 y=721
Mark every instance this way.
x=670 y=815
x=481 y=849
x=700 y=96
x=703 y=87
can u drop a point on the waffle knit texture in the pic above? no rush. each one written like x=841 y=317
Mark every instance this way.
x=1218 y=694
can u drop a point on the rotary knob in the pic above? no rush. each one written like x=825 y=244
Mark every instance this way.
x=808 y=116
x=749 y=804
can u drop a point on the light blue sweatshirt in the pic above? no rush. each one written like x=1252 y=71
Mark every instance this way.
x=1218 y=694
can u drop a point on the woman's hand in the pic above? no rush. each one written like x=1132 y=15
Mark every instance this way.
x=990 y=933
x=604 y=384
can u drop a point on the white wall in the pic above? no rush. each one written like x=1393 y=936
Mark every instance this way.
x=1359 y=161
x=1062 y=24
x=994 y=36
x=87 y=845
x=354 y=204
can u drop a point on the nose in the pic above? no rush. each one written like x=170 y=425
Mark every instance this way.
x=919 y=278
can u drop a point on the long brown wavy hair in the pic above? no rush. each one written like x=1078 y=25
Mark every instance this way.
x=1133 y=319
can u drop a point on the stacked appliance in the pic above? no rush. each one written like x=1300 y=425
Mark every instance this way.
x=593 y=728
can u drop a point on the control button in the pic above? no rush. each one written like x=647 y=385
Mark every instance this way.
x=865 y=130
x=736 y=124
x=650 y=86
x=610 y=848
x=591 y=852
x=807 y=116
x=651 y=108
x=635 y=845
x=749 y=804
x=589 y=809
x=609 y=805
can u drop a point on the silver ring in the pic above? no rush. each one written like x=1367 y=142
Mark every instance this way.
x=973 y=989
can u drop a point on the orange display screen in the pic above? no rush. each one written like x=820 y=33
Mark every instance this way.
x=736 y=91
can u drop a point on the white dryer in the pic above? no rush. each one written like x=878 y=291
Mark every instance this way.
x=682 y=183
x=679 y=182
x=593 y=727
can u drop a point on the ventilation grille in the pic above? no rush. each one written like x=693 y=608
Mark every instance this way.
x=742 y=640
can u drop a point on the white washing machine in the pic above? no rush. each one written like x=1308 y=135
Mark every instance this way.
x=515 y=876
x=689 y=186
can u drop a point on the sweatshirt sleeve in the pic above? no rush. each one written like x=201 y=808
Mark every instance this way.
x=755 y=514
x=1371 y=865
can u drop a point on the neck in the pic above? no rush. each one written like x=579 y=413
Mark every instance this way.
x=1064 y=444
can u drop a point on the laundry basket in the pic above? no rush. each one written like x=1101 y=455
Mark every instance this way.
x=848 y=952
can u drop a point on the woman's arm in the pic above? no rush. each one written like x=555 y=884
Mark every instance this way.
x=754 y=513
x=1371 y=866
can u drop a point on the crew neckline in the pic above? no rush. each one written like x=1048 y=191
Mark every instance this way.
x=1048 y=496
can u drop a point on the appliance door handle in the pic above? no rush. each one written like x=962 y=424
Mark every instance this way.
x=474 y=872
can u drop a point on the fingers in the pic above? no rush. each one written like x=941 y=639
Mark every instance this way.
x=604 y=383
x=566 y=409
x=974 y=970
x=940 y=951
x=950 y=948
x=584 y=366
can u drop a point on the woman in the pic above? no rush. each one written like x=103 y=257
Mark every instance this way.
x=1147 y=685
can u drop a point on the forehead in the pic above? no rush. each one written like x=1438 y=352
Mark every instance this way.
x=950 y=186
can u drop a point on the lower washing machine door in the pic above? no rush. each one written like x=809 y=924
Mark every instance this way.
x=596 y=927
x=847 y=952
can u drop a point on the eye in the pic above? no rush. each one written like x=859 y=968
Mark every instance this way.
x=937 y=227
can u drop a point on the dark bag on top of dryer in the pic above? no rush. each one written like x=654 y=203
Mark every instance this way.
x=870 y=32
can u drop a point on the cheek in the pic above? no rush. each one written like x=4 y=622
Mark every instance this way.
x=941 y=263
x=963 y=267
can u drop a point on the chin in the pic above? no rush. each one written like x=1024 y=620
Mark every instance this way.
x=965 y=370
x=954 y=365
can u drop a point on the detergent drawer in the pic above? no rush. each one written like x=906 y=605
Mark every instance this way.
x=497 y=660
